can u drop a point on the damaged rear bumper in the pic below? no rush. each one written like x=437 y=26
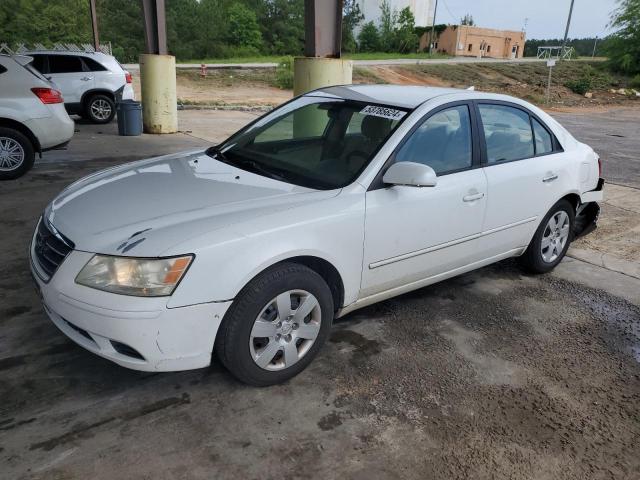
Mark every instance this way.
x=588 y=211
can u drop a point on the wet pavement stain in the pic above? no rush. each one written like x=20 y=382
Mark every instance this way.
x=330 y=421
x=84 y=430
x=363 y=346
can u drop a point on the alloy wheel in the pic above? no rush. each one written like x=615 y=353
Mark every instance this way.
x=11 y=154
x=100 y=109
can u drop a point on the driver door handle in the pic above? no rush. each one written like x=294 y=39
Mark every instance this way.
x=550 y=178
x=473 y=197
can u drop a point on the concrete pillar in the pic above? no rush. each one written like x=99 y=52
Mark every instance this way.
x=310 y=73
x=158 y=88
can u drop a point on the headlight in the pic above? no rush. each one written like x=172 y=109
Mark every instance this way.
x=142 y=277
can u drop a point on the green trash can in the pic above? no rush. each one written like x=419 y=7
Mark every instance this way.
x=129 y=118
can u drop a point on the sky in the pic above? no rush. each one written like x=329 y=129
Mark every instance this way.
x=546 y=18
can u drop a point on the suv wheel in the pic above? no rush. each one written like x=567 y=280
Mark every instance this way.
x=551 y=241
x=276 y=325
x=16 y=154
x=100 y=109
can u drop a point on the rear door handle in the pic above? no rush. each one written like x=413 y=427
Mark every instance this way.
x=86 y=79
x=550 y=178
x=473 y=197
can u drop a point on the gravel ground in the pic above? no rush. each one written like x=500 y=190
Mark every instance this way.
x=493 y=374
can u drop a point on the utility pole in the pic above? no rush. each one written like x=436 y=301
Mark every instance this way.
x=566 y=30
x=433 y=27
x=595 y=42
x=94 y=25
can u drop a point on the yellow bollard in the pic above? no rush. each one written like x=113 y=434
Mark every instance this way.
x=158 y=89
x=310 y=73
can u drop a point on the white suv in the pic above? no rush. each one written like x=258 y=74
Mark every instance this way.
x=91 y=83
x=32 y=116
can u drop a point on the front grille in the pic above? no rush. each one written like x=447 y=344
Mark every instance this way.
x=50 y=249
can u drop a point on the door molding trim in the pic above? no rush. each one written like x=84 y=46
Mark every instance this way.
x=440 y=246
x=392 y=292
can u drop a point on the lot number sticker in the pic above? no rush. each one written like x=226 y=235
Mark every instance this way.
x=383 y=112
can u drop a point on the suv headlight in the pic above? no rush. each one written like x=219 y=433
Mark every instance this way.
x=142 y=277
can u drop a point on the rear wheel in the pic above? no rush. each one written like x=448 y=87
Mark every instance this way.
x=16 y=154
x=551 y=241
x=276 y=325
x=100 y=109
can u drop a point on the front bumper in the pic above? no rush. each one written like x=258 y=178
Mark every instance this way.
x=134 y=332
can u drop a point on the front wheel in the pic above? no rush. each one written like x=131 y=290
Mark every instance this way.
x=276 y=325
x=16 y=154
x=551 y=241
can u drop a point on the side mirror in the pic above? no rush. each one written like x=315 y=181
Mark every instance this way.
x=411 y=174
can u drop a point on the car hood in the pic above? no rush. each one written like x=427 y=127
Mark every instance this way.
x=144 y=208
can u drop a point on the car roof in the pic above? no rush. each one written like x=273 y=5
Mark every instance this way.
x=404 y=96
x=65 y=52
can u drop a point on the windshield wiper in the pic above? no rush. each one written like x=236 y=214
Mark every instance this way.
x=215 y=151
x=258 y=168
x=245 y=164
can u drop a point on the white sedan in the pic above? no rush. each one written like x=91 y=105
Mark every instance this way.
x=337 y=199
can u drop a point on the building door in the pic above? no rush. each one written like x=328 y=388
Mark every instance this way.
x=514 y=51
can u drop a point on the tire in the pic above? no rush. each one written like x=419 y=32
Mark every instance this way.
x=256 y=311
x=539 y=260
x=17 y=154
x=99 y=108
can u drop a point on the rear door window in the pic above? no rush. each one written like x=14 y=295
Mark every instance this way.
x=64 y=64
x=507 y=133
x=544 y=141
x=92 y=66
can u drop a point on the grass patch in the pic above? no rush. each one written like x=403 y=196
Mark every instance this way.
x=284 y=74
x=365 y=75
x=499 y=75
x=228 y=77
x=350 y=56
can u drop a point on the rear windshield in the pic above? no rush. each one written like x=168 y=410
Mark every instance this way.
x=29 y=67
x=320 y=143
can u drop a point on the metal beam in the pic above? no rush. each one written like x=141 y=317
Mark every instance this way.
x=94 y=25
x=155 y=28
x=323 y=28
x=566 y=30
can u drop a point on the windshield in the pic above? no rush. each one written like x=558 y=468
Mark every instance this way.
x=315 y=142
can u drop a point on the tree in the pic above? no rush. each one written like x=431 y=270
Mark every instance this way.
x=243 y=27
x=388 y=20
x=282 y=24
x=624 y=45
x=405 y=39
x=351 y=17
x=369 y=38
x=119 y=22
x=467 y=20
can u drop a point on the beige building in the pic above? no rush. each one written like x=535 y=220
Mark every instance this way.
x=468 y=41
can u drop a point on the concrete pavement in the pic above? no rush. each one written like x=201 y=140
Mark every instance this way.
x=493 y=374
